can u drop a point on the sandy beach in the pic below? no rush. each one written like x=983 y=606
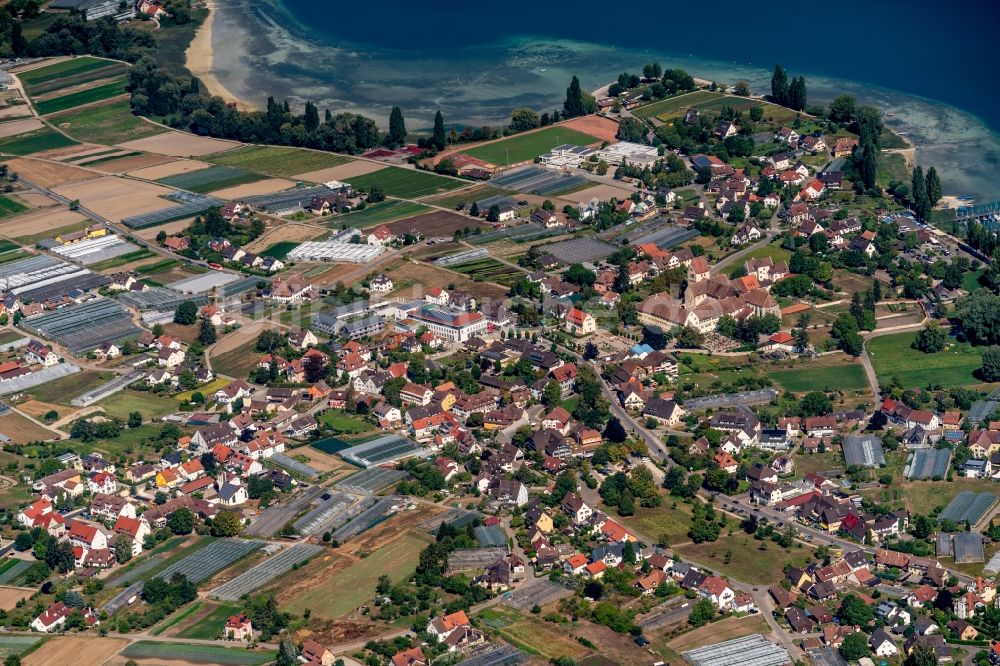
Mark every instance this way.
x=200 y=60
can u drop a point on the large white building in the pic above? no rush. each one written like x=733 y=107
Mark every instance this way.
x=448 y=324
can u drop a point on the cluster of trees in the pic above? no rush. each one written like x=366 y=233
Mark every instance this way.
x=869 y=125
x=930 y=339
x=578 y=102
x=621 y=490
x=704 y=524
x=70 y=34
x=790 y=93
x=926 y=192
x=671 y=172
x=750 y=329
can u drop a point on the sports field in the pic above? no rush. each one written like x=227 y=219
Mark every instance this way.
x=105 y=124
x=380 y=213
x=276 y=160
x=848 y=377
x=341 y=593
x=34 y=142
x=406 y=183
x=892 y=355
x=528 y=146
x=210 y=179
x=106 y=91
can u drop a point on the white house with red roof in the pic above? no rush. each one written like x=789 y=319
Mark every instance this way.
x=578 y=322
x=102 y=482
x=239 y=628
x=41 y=514
x=717 y=590
x=136 y=528
x=55 y=616
x=87 y=536
x=380 y=235
x=812 y=191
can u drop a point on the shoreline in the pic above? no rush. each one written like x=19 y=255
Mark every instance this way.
x=199 y=58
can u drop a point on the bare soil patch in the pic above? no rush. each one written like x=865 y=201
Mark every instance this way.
x=285 y=233
x=20 y=126
x=49 y=174
x=77 y=150
x=603 y=128
x=267 y=186
x=115 y=198
x=435 y=223
x=241 y=336
x=39 y=221
x=75 y=650
x=179 y=144
x=602 y=192
x=169 y=228
x=34 y=199
x=168 y=169
x=341 y=172
x=38 y=409
x=15 y=111
x=23 y=430
x=9 y=596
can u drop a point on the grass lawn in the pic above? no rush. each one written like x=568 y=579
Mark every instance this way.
x=776 y=252
x=346 y=590
x=893 y=355
x=741 y=557
x=150 y=405
x=406 y=183
x=528 y=146
x=200 y=653
x=892 y=166
x=818 y=462
x=62 y=390
x=130 y=441
x=280 y=250
x=10 y=206
x=106 y=91
x=279 y=161
x=674 y=104
x=211 y=625
x=970 y=281
x=380 y=213
x=665 y=521
x=35 y=142
x=344 y=424
x=848 y=377
x=206 y=390
x=106 y=124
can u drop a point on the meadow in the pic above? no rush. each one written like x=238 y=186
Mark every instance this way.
x=8 y=207
x=673 y=104
x=197 y=653
x=105 y=124
x=35 y=142
x=97 y=93
x=893 y=355
x=848 y=377
x=528 y=146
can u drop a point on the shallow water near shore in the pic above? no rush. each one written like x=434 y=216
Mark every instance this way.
x=476 y=73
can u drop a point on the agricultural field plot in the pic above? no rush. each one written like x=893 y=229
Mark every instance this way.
x=12 y=568
x=35 y=142
x=8 y=207
x=716 y=632
x=254 y=189
x=603 y=192
x=15 y=127
x=33 y=226
x=191 y=653
x=332 y=596
x=77 y=80
x=464 y=198
x=955 y=366
x=178 y=144
x=265 y=572
x=215 y=557
x=16 y=644
x=209 y=624
x=490 y=270
x=172 y=168
x=105 y=124
x=340 y=172
x=284 y=233
x=672 y=105
x=49 y=174
x=23 y=430
x=10 y=596
x=116 y=198
x=406 y=183
x=846 y=377
x=434 y=223
x=548 y=641
x=380 y=213
x=213 y=178
x=61 y=70
x=75 y=650
x=280 y=161
x=114 y=88
x=528 y=146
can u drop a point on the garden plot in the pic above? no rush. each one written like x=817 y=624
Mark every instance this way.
x=266 y=571
x=208 y=561
x=179 y=144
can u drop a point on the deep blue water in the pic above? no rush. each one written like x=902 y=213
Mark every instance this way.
x=944 y=51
